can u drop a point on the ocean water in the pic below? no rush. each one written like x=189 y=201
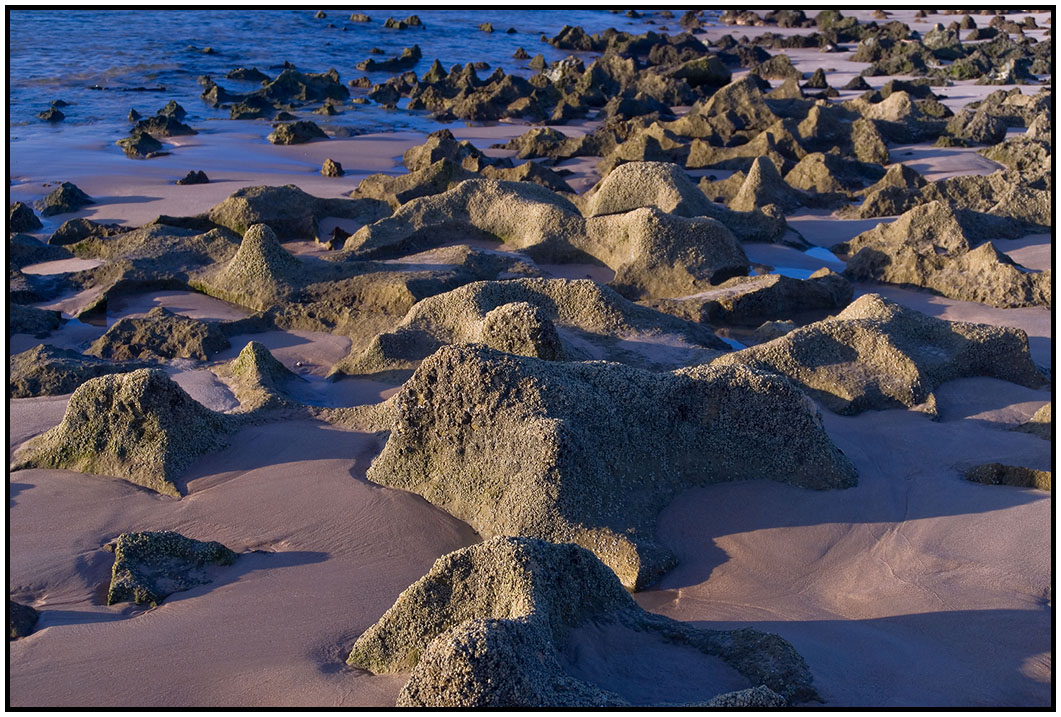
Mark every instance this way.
x=62 y=54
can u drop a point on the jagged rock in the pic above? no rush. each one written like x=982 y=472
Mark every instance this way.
x=817 y=80
x=296 y=133
x=257 y=379
x=291 y=86
x=770 y=330
x=776 y=142
x=1041 y=424
x=858 y=82
x=704 y=71
x=662 y=185
x=521 y=328
x=140 y=145
x=159 y=335
x=898 y=191
x=262 y=274
x=51 y=115
x=442 y=145
x=832 y=174
x=978 y=127
x=659 y=254
x=288 y=211
x=749 y=300
x=593 y=430
x=65 y=198
x=487 y=625
x=755 y=697
x=586 y=313
x=326 y=109
x=1016 y=476
x=524 y=215
x=406 y=61
x=140 y=426
x=868 y=143
x=929 y=246
x=360 y=17
x=331 y=168
x=436 y=178
x=45 y=370
x=23 y=250
x=737 y=107
x=763 y=186
x=163 y=125
x=150 y=566
x=876 y=355
x=778 y=67
x=252 y=74
x=21 y=218
x=194 y=177
x=32 y=321
x=21 y=619
x=74 y=230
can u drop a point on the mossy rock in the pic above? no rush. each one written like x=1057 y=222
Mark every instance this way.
x=150 y=566
x=1016 y=476
x=46 y=370
x=159 y=335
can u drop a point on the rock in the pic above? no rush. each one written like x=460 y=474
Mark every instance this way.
x=32 y=321
x=406 y=61
x=487 y=626
x=583 y=311
x=760 y=697
x=328 y=110
x=704 y=71
x=288 y=211
x=523 y=215
x=737 y=107
x=777 y=143
x=23 y=250
x=257 y=379
x=657 y=254
x=65 y=198
x=135 y=116
x=331 y=168
x=876 y=355
x=529 y=172
x=360 y=17
x=662 y=185
x=159 y=335
x=770 y=330
x=1017 y=476
x=194 y=177
x=140 y=145
x=537 y=142
x=172 y=109
x=397 y=190
x=140 y=426
x=778 y=67
x=898 y=191
x=868 y=143
x=296 y=133
x=1041 y=424
x=858 y=82
x=163 y=125
x=977 y=127
x=74 y=230
x=763 y=186
x=832 y=174
x=817 y=81
x=749 y=300
x=592 y=429
x=442 y=145
x=320 y=15
x=20 y=218
x=520 y=54
x=392 y=24
x=51 y=115
x=150 y=566
x=929 y=246
x=521 y=328
x=486 y=27
x=249 y=75
x=21 y=619
x=261 y=275
x=45 y=370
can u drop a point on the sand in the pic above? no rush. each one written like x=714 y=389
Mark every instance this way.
x=915 y=588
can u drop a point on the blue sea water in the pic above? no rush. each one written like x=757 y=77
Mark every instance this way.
x=61 y=54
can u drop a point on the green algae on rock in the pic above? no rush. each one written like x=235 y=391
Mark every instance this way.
x=486 y=628
x=46 y=370
x=140 y=426
x=150 y=566
x=1016 y=476
x=592 y=452
x=877 y=354
x=159 y=335
x=21 y=620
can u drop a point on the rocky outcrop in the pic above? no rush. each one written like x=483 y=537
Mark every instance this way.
x=1041 y=424
x=932 y=246
x=32 y=321
x=764 y=185
x=662 y=185
x=1016 y=476
x=660 y=255
x=289 y=211
x=591 y=452
x=591 y=316
x=257 y=379
x=523 y=215
x=296 y=133
x=150 y=566
x=876 y=355
x=487 y=625
x=435 y=178
x=262 y=274
x=159 y=335
x=21 y=619
x=65 y=198
x=45 y=370
x=74 y=230
x=751 y=300
x=23 y=250
x=20 y=218
x=140 y=426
